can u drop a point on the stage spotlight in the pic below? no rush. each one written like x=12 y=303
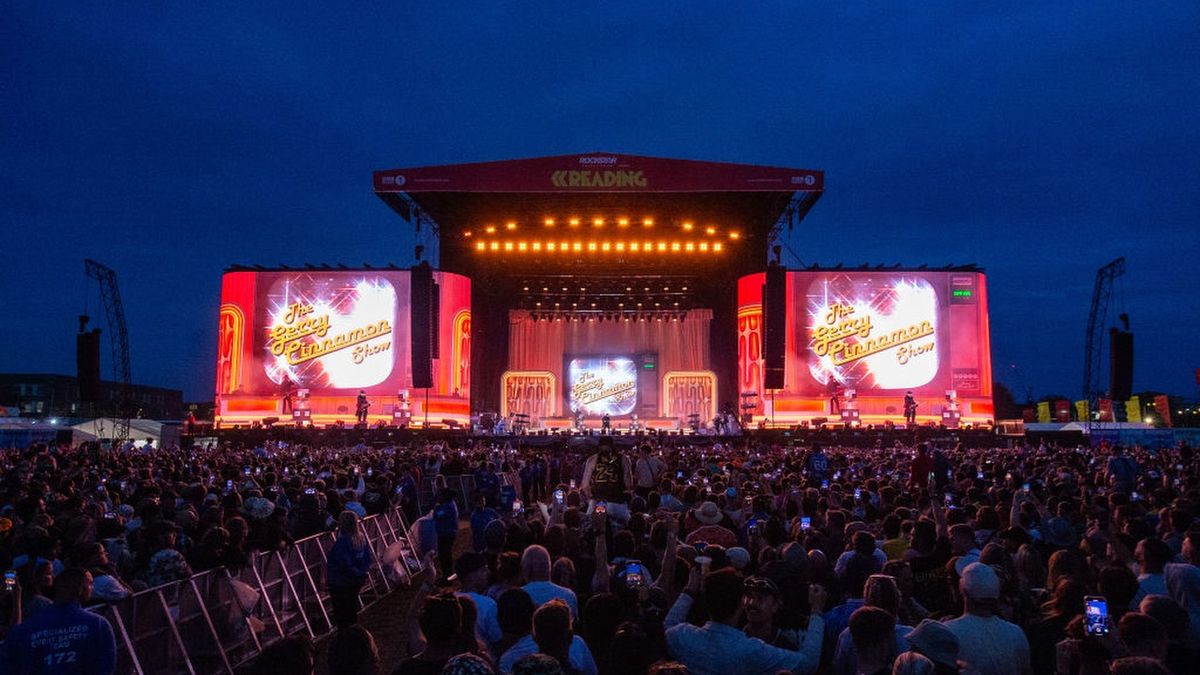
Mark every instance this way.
x=511 y=225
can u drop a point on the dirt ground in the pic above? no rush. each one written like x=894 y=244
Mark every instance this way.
x=388 y=620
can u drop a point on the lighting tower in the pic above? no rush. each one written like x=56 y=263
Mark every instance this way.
x=115 y=312
x=1102 y=293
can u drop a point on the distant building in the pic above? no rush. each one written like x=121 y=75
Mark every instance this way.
x=43 y=395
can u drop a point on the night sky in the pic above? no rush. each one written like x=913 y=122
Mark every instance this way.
x=1038 y=140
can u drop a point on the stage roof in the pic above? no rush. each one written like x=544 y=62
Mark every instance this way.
x=604 y=200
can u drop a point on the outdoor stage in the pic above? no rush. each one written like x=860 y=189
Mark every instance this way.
x=574 y=288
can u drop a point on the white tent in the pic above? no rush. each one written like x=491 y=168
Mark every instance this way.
x=20 y=433
x=139 y=430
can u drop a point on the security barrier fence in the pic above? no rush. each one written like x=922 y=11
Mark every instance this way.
x=220 y=619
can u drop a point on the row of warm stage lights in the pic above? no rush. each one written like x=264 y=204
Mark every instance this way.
x=602 y=246
x=615 y=317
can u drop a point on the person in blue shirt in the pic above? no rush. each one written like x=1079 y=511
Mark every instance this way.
x=487 y=483
x=63 y=639
x=350 y=560
x=480 y=517
x=818 y=464
x=445 y=517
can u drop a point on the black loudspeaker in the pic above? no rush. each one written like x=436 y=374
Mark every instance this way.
x=421 y=304
x=435 y=321
x=1120 y=364
x=774 y=326
x=87 y=365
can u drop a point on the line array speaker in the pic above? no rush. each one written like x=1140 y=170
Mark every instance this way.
x=774 y=326
x=421 y=332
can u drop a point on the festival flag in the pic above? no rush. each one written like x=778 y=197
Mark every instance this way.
x=1081 y=411
x=1133 y=409
x=1106 y=410
x=1028 y=415
x=1162 y=405
x=1044 y=412
x=1062 y=411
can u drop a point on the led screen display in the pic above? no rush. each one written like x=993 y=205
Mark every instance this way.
x=332 y=333
x=879 y=333
x=602 y=385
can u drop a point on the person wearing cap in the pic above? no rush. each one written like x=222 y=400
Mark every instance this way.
x=607 y=476
x=990 y=644
x=937 y=643
x=472 y=572
x=761 y=603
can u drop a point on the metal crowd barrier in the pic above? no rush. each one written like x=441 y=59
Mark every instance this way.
x=203 y=625
x=463 y=487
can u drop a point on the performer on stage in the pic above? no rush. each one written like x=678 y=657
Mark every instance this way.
x=910 y=408
x=835 y=396
x=286 y=389
x=579 y=419
x=361 y=406
x=606 y=423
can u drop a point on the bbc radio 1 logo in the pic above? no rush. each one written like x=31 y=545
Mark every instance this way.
x=808 y=180
x=393 y=180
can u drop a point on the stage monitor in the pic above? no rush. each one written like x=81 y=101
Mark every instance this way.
x=607 y=385
x=334 y=333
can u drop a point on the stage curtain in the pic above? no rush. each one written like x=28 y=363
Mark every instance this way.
x=542 y=345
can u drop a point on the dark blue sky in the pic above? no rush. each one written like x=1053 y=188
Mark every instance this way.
x=1038 y=141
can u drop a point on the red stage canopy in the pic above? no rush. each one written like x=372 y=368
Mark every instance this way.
x=598 y=172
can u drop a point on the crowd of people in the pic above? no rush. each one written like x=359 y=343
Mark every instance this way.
x=660 y=557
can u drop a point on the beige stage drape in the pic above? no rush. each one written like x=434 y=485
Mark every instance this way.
x=541 y=345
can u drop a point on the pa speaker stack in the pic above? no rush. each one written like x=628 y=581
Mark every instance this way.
x=87 y=365
x=421 y=302
x=774 y=326
x=1120 y=364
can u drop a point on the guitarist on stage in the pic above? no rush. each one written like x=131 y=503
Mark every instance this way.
x=361 y=406
x=910 y=408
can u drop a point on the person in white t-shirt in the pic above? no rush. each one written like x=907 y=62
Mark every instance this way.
x=990 y=644
x=646 y=471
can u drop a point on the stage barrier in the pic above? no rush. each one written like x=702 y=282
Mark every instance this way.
x=219 y=619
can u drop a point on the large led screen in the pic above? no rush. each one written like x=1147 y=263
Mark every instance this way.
x=332 y=333
x=602 y=385
x=878 y=333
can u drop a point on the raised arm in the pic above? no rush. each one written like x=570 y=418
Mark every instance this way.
x=600 y=577
x=666 y=575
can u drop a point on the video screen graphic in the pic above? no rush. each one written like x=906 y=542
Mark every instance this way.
x=872 y=333
x=603 y=385
x=329 y=332
x=878 y=333
x=332 y=333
